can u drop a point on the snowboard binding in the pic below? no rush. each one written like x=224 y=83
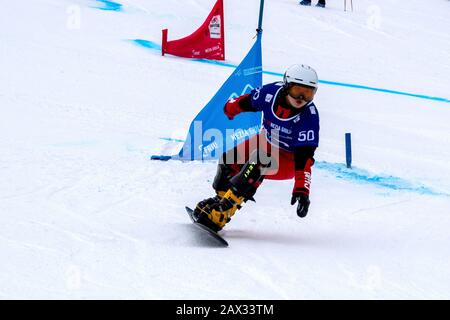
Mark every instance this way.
x=233 y=188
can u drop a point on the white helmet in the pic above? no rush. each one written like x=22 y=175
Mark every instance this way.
x=301 y=74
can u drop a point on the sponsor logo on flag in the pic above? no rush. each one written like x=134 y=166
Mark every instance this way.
x=214 y=27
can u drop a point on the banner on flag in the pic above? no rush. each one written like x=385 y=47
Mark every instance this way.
x=211 y=133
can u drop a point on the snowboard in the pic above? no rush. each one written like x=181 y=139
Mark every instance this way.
x=214 y=235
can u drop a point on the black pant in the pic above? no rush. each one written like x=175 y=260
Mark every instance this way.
x=320 y=1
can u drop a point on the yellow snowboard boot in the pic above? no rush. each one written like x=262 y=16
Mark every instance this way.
x=216 y=212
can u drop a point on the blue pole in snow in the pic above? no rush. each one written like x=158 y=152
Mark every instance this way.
x=348 y=149
x=261 y=10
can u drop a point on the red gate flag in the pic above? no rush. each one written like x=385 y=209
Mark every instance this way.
x=207 y=42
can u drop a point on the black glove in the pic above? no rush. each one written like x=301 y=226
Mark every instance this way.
x=303 y=203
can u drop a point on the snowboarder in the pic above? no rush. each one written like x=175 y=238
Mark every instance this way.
x=320 y=3
x=289 y=138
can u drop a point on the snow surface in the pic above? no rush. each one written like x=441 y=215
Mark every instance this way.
x=84 y=213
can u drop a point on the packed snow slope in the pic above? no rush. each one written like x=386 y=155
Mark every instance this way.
x=85 y=213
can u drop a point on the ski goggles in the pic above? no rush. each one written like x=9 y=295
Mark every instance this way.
x=299 y=92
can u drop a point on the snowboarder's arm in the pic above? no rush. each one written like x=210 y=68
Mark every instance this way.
x=304 y=160
x=238 y=105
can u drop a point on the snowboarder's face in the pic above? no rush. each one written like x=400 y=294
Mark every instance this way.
x=298 y=96
x=296 y=103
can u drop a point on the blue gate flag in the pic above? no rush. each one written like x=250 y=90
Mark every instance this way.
x=211 y=132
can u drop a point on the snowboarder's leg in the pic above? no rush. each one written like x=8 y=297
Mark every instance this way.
x=230 y=164
x=221 y=183
x=305 y=2
x=321 y=4
x=216 y=212
x=223 y=175
x=283 y=165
